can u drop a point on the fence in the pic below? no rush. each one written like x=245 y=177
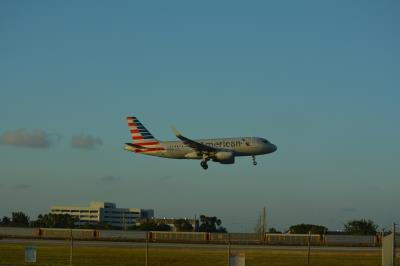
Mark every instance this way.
x=178 y=237
x=237 y=238
x=17 y=232
x=66 y=233
x=121 y=235
x=351 y=240
x=194 y=237
x=292 y=239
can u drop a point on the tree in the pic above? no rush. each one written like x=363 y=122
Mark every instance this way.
x=5 y=221
x=19 y=219
x=272 y=230
x=55 y=221
x=163 y=227
x=361 y=227
x=211 y=224
x=152 y=225
x=305 y=228
x=183 y=225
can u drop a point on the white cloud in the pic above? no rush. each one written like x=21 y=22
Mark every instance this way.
x=85 y=142
x=22 y=187
x=23 y=138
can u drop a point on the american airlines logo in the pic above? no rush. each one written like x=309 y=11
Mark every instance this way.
x=224 y=144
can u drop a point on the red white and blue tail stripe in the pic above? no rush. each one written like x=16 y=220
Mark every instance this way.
x=143 y=140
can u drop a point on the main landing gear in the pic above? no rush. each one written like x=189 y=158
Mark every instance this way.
x=254 y=160
x=204 y=164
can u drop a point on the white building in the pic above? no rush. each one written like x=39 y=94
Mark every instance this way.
x=105 y=212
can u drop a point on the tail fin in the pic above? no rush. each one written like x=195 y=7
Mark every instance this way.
x=140 y=135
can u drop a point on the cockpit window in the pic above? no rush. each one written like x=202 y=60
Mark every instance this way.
x=265 y=141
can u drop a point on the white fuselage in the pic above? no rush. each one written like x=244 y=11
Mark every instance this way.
x=242 y=146
x=222 y=150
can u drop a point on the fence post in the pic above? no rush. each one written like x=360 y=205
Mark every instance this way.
x=71 y=248
x=309 y=247
x=262 y=238
x=229 y=249
x=394 y=244
x=147 y=248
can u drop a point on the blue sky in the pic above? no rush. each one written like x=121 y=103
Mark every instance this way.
x=320 y=79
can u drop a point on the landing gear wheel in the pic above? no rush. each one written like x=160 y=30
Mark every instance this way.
x=254 y=160
x=204 y=165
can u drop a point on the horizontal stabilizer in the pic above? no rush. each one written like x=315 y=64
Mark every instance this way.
x=135 y=146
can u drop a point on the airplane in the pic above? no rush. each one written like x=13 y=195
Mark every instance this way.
x=222 y=150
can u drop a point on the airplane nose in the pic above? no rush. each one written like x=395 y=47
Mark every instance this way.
x=273 y=147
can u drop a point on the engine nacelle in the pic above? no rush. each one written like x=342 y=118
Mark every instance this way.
x=224 y=157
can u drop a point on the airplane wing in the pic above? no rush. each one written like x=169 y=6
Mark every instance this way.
x=197 y=146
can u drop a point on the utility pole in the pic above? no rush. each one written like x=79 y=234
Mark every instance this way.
x=264 y=222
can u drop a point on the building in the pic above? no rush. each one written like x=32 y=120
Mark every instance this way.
x=105 y=212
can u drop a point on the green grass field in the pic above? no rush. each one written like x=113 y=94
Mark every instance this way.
x=13 y=254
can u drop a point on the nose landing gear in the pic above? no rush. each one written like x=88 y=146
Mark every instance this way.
x=254 y=160
x=204 y=162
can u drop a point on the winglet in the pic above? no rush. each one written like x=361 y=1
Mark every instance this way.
x=176 y=132
x=197 y=146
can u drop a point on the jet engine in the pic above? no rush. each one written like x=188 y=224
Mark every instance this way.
x=224 y=157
